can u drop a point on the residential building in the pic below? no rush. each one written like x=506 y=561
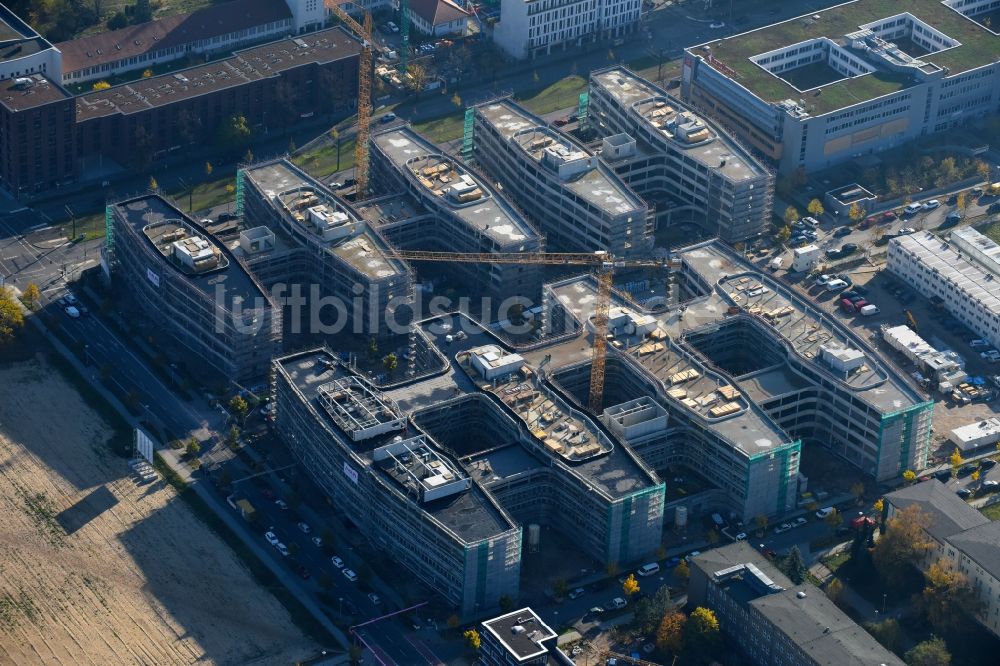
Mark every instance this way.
x=961 y=535
x=535 y=27
x=437 y=18
x=192 y=291
x=217 y=28
x=963 y=271
x=678 y=160
x=454 y=210
x=773 y=621
x=518 y=638
x=852 y=80
x=25 y=52
x=589 y=207
x=320 y=242
x=45 y=132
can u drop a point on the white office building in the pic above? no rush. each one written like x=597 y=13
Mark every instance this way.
x=534 y=27
x=851 y=80
x=964 y=272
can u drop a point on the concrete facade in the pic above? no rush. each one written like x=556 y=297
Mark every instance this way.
x=529 y=27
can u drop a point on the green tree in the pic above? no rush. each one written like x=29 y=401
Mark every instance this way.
x=11 y=315
x=117 y=21
x=791 y=214
x=416 y=78
x=142 y=11
x=784 y=233
x=293 y=549
x=390 y=362
x=233 y=436
x=560 y=587
x=761 y=522
x=193 y=448
x=834 y=590
x=630 y=586
x=472 y=640
x=932 y=652
x=239 y=406
x=702 y=637
x=234 y=132
x=670 y=633
x=372 y=346
x=649 y=610
x=453 y=621
x=948 y=600
x=834 y=520
x=793 y=566
x=903 y=544
x=815 y=207
x=506 y=604
x=887 y=632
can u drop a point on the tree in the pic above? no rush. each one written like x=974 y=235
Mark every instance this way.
x=887 y=632
x=453 y=621
x=682 y=572
x=834 y=520
x=975 y=475
x=712 y=536
x=834 y=589
x=815 y=207
x=784 y=233
x=956 y=460
x=234 y=132
x=858 y=490
x=101 y=85
x=11 y=315
x=153 y=185
x=701 y=633
x=761 y=522
x=248 y=156
x=948 y=600
x=670 y=633
x=932 y=652
x=118 y=21
x=208 y=168
x=372 y=346
x=416 y=78
x=909 y=476
x=982 y=169
x=856 y=212
x=649 y=610
x=193 y=448
x=291 y=146
x=879 y=505
x=142 y=11
x=233 y=436
x=793 y=566
x=630 y=586
x=456 y=100
x=612 y=568
x=903 y=543
x=506 y=604
x=240 y=406
x=962 y=202
x=31 y=295
x=472 y=639
x=390 y=362
x=293 y=548
x=147 y=73
x=791 y=214
x=560 y=587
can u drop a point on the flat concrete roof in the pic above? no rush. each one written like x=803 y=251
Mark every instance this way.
x=364 y=250
x=597 y=185
x=805 y=328
x=647 y=99
x=236 y=283
x=243 y=67
x=470 y=514
x=490 y=214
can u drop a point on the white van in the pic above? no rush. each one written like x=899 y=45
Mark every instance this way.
x=912 y=209
x=649 y=569
x=836 y=285
x=618 y=603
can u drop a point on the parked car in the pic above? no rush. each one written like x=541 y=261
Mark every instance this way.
x=987 y=463
x=848 y=248
x=782 y=528
x=887 y=217
x=979 y=343
x=577 y=593
x=842 y=231
x=618 y=603
x=912 y=209
x=387 y=118
x=964 y=493
x=966 y=470
x=799 y=522
x=372 y=597
x=281 y=548
x=990 y=486
x=337 y=562
x=824 y=512
x=72 y=312
x=944 y=475
x=742 y=536
x=932 y=204
x=317 y=541
x=350 y=575
x=282 y=504
x=304 y=528
x=906 y=231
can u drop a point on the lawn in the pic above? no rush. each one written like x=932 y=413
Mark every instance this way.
x=321 y=161
x=992 y=511
x=205 y=195
x=837 y=560
x=562 y=94
x=441 y=130
x=90 y=227
x=992 y=230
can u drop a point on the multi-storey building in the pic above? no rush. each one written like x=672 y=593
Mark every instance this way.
x=851 y=80
x=959 y=534
x=191 y=290
x=773 y=621
x=25 y=52
x=213 y=29
x=518 y=638
x=534 y=27
x=321 y=246
x=588 y=207
x=964 y=272
x=466 y=214
x=678 y=157
x=45 y=131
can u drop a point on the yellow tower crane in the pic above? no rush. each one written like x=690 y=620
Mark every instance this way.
x=364 y=33
x=604 y=266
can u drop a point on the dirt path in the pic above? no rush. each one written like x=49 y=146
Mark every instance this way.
x=95 y=569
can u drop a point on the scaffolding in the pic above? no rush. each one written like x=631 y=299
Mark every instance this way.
x=468 y=135
x=581 y=112
x=240 y=190
x=109 y=238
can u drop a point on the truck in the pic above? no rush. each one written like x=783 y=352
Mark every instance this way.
x=775 y=263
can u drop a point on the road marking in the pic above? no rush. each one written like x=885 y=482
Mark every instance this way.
x=424 y=651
